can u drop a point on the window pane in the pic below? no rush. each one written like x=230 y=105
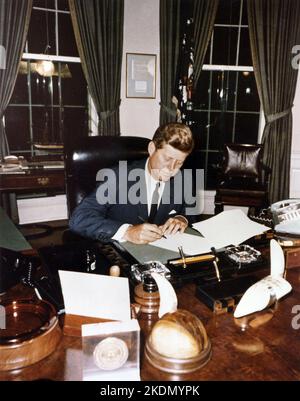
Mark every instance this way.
x=44 y=90
x=17 y=128
x=228 y=12
x=37 y=33
x=44 y=3
x=201 y=94
x=67 y=44
x=247 y=96
x=213 y=159
x=225 y=46
x=245 y=57
x=246 y=128
x=244 y=14
x=45 y=125
x=220 y=131
x=75 y=123
x=63 y=5
x=20 y=94
x=74 y=89
x=223 y=90
x=200 y=129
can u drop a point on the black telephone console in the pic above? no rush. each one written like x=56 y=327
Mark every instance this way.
x=14 y=267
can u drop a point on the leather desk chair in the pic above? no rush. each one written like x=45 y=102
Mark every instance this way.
x=85 y=158
x=244 y=178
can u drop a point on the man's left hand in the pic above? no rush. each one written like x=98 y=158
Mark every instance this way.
x=174 y=224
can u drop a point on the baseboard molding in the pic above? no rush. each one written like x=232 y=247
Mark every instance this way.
x=38 y=210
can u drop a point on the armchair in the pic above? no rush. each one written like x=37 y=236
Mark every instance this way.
x=243 y=180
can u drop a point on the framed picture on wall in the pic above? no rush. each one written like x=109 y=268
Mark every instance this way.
x=141 y=75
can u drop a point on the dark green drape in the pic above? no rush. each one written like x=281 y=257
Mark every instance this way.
x=274 y=29
x=169 y=50
x=204 y=17
x=98 y=27
x=14 y=21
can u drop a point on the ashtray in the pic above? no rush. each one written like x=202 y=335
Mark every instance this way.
x=29 y=332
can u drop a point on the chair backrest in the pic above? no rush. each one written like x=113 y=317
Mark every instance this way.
x=85 y=158
x=242 y=160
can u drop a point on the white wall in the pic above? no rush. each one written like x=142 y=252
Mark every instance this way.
x=295 y=156
x=140 y=117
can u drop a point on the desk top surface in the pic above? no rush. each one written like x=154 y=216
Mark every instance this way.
x=265 y=349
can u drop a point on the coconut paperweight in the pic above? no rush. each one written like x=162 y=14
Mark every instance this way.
x=178 y=342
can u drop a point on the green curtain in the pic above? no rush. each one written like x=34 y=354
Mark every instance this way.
x=98 y=28
x=169 y=28
x=274 y=29
x=14 y=22
x=204 y=15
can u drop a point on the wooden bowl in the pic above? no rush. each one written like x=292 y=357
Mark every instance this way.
x=31 y=333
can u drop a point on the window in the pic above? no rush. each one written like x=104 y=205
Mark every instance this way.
x=226 y=106
x=48 y=107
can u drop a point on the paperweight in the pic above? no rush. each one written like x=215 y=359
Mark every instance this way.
x=178 y=343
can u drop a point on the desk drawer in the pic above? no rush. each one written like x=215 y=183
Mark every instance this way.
x=29 y=182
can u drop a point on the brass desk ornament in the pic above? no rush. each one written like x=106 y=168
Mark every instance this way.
x=178 y=342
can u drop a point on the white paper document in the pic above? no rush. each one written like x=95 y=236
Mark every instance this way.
x=231 y=227
x=191 y=244
x=95 y=295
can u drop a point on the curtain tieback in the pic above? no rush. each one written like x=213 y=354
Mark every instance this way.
x=103 y=115
x=276 y=116
x=172 y=112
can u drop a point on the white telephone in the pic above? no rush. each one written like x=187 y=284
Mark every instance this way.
x=286 y=215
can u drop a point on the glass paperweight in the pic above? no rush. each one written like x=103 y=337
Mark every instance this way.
x=178 y=343
x=111 y=351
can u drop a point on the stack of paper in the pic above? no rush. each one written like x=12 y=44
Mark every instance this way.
x=231 y=227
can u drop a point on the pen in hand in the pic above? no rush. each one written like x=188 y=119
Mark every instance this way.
x=145 y=221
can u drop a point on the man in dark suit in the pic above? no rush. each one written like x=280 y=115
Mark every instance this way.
x=140 y=201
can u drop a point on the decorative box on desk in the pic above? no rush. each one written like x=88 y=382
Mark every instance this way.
x=291 y=247
x=292 y=257
x=73 y=323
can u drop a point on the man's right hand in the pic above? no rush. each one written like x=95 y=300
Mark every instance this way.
x=143 y=233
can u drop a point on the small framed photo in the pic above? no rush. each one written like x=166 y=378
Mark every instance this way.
x=141 y=75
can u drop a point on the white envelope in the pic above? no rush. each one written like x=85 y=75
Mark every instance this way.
x=95 y=295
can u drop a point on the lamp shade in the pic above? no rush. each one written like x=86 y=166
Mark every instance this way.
x=45 y=68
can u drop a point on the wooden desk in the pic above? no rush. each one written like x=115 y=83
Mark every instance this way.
x=33 y=180
x=267 y=352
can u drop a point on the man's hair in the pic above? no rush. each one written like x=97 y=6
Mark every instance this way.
x=175 y=134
